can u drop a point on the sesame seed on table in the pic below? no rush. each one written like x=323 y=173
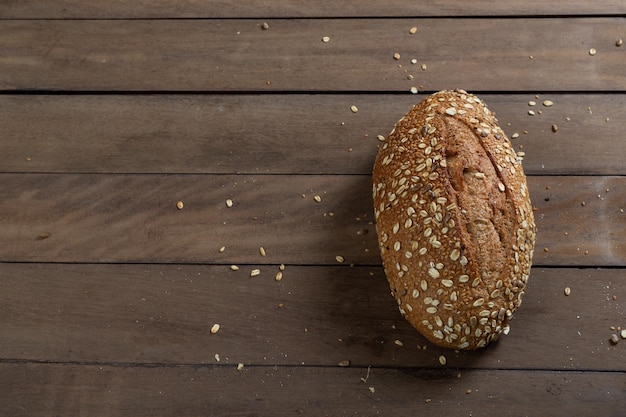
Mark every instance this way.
x=187 y=224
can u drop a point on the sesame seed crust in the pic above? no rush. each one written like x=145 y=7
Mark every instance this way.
x=449 y=189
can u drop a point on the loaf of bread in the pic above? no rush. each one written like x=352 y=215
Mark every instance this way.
x=454 y=220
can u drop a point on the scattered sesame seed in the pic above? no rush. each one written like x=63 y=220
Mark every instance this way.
x=515 y=135
x=469 y=391
x=380 y=138
x=255 y=272
x=354 y=109
x=222 y=249
x=442 y=360
x=325 y=39
x=548 y=103
x=180 y=205
x=344 y=363
x=234 y=268
x=215 y=328
x=372 y=389
x=531 y=113
x=414 y=61
x=592 y=51
x=281 y=267
x=340 y=259
x=262 y=251
x=567 y=291
x=413 y=90
x=614 y=339
x=265 y=26
x=396 y=56
x=619 y=42
x=413 y=30
x=398 y=342
x=424 y=67
x=240 y=366
x=623 y=334
x=229 y=203
x=532 y=103
x=317 y=199
x=279 y=276
x=555 y=128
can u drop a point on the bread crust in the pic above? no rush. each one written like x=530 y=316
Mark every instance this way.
x=454 y=220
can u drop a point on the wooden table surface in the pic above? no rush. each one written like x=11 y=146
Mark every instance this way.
x=111 y=113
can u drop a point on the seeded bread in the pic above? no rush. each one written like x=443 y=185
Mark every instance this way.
x=454 y=220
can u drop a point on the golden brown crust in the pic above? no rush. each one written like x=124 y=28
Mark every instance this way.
x=454 y=220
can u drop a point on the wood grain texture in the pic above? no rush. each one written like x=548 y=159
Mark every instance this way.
x=266 y=391
x=72 y=9
x=282 y=134
x=112 y=112
x=159 y=315
x=133 y=218
x=237 y=55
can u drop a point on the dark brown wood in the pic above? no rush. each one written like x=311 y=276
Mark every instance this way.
x=114 y=391
x=112 y=112
x=281 y=134
x=66 y=9
x=157 y=315
x=237 y=55
x=134 y=218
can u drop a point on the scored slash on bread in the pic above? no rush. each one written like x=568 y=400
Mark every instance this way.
x=454 y=220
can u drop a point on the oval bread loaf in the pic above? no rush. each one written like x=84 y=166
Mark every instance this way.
x=454 y=220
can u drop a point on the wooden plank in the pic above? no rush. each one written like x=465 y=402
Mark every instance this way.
x=237 y=55
x=260 y=391
x=133 y=218
x=115 y=9
x=317 y=316
x=281 y=134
